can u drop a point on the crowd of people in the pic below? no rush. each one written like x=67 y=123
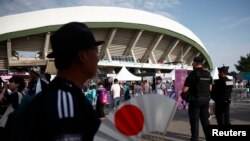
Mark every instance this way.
x=13 y=90
x=120 y=91
x=66 y=109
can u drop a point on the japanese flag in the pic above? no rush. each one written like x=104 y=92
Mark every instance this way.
x=138 y=117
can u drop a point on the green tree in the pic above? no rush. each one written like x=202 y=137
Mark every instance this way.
x=243 y=64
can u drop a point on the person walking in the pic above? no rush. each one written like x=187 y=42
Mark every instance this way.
x=221 y=94
x=199 y=84
x=62 y=112
x=126 y=90
x=146 y=89
x=160 y=87
x=101 y=92
x=138 y=89
x=116 y=92
x=91 y=93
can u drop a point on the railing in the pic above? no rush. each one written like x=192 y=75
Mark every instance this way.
x=241 y=94
x=143 y=65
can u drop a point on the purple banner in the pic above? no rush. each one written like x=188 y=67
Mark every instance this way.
x=180 y=76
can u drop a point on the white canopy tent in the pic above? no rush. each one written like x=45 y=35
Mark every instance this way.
x=215 y=73
x=125 y=75
x=171 y=75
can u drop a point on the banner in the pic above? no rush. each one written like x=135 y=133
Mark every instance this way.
x=180 y=76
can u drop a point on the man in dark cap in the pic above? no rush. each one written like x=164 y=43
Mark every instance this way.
x=64 y=112
x=221 y=94
x=198 y=84
x=198 y=59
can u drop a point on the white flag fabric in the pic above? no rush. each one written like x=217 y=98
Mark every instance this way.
x=38 y=86
x=137 y=117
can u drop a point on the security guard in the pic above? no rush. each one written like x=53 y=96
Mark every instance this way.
x=221 y=94
x=198 y=84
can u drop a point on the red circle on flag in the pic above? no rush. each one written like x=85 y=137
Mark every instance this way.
x=129 y=120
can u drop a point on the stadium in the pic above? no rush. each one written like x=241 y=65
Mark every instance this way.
x=145 y=43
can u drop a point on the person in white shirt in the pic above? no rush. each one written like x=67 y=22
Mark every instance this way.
x=116 y=90
x=160 y=87
x=146 y=87
x=138 y=90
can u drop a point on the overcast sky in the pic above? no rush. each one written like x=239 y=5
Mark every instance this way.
x=222 y=25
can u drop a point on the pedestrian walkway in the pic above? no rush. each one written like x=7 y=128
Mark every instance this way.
x=179 y=128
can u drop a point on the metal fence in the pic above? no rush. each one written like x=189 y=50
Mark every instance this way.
x=241 y=94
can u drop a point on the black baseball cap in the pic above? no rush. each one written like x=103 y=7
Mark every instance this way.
x=71 y=38
x=223 y=69
x=198 y=59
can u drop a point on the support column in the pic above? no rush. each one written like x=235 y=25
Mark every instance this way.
x=46 y=46
x=9 y=52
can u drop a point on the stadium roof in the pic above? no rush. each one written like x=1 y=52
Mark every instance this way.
x=36 y=22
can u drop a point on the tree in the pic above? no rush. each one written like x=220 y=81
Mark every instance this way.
x=243 y=64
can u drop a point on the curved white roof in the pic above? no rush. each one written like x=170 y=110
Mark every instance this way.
x=48 y=17
x=24 y=24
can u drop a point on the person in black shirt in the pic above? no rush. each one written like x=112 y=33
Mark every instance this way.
x=36 y=83
x=101 y=92
x=198 y=84
x=12 y=99
x=16 y=85
x=3 y=106
x=221 y=94
x=62 y=111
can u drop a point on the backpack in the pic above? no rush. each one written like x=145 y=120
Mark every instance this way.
x=164 y=92
x=104 y=97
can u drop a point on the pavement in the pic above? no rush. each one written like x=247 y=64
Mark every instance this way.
x=179 y=127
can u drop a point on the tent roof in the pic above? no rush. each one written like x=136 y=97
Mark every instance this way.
x=125 y=75
x=171 y=75
x=215 y=73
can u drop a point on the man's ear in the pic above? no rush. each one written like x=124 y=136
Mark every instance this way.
x=82 y=56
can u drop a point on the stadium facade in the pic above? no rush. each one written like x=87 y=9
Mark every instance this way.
x=143 y=42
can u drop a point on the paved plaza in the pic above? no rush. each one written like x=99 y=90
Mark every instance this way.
x=179 y=128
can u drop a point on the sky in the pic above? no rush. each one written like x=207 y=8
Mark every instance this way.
x=222 y=25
